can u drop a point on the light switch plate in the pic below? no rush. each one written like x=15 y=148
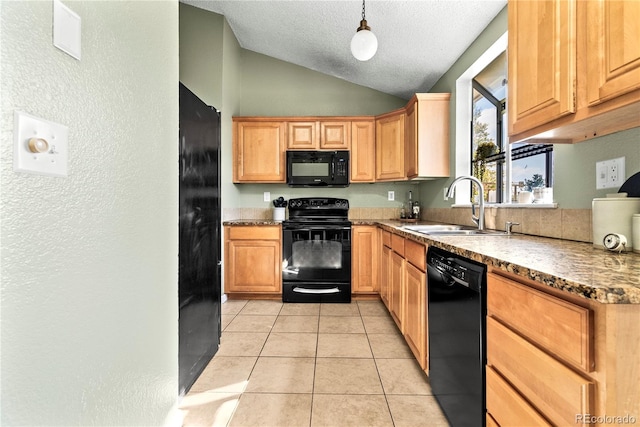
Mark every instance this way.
x=53 y=162
x=67 y=29
x=266 y=196
x=391 y=195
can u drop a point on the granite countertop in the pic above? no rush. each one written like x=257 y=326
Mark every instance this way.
x=574 y=267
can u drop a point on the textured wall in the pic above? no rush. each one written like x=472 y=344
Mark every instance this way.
x=89 y=262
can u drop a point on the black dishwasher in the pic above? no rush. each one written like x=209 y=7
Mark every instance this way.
x=457 y=338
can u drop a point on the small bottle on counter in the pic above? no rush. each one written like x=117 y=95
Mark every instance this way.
x=415 y=210
x=410 y=206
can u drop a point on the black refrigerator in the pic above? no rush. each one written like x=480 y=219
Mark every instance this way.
x=200 y=237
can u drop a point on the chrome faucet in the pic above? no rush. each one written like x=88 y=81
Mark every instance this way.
x=479 y=220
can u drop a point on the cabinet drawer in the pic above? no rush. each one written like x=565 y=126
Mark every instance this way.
x=507 y=407
x=386 y=238
x=415 y=253
x=555 y=390
x=254 y=233
x=397 y=244
x=563 y=328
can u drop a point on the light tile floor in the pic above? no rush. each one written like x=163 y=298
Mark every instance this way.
x=311 y=365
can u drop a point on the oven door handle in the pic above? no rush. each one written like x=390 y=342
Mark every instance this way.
x=316 y=291
x=321 y=228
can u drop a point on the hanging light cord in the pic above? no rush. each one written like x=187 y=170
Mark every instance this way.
x=363 y=10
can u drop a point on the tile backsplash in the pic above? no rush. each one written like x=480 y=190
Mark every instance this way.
x=569 y=224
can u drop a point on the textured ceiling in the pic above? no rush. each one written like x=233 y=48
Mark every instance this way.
x=418 y=40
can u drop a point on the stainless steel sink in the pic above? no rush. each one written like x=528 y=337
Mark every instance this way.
x=452 y=230
x=433 y=227
x=472 y=232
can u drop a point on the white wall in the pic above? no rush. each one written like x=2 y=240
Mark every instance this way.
x=89 y=262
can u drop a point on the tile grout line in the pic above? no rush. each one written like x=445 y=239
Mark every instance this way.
x=384 y=392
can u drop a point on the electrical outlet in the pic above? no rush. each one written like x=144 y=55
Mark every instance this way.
x=391 y=196
x=610 y=173
x=267 y=196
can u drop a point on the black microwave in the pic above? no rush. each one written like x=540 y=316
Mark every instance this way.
x=318 y=168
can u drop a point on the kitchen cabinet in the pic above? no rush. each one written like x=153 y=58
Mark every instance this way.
x=396 y=281
x=318 y=134
x=427 y=136
x=253 y=258
x=364 y=247
x=415 y=301
x=542 y=73
x=385 y=268
x=363 y=151
x=335 y=135
x=390 y=146
x=553 y=356
x=302 y=135
x=613 y=49
x=580 y=78
x=258 y=151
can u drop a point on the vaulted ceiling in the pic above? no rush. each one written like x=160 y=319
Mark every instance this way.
x=418 y=40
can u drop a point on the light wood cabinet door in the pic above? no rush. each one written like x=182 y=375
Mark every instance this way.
x=411 y=140
x=427 y=136
x=613 y=49
x=396 y=300
x=542 y=62
x=253 y=258
x=363 y=151
x=390 y=147
x=259 y=152
x=335 y=135
x=385 y=275
x=302 y=135
x=364 y=272
x=415 y=313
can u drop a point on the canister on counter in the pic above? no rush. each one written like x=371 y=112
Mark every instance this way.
x=613 y=214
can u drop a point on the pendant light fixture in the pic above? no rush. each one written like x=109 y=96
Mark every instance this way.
x=364 y=43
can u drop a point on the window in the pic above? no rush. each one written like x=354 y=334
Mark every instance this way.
x=504 y=169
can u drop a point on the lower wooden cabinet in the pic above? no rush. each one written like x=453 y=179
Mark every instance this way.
x=253 y=259
x=385 y=271
x=396 y=283
x=553 y=388
x=415 y=313
x=508 y=406
x=364 y=250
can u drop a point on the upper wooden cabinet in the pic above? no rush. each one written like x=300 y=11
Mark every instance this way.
x=407 y=143
x=319 y=135
x=258 y=151
x=335 y=135
x=363 y=151
x=302 y=135
x=574 y=69
x=613 y=49
x=542 y=62
x=390 y=146
x=426 y=152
